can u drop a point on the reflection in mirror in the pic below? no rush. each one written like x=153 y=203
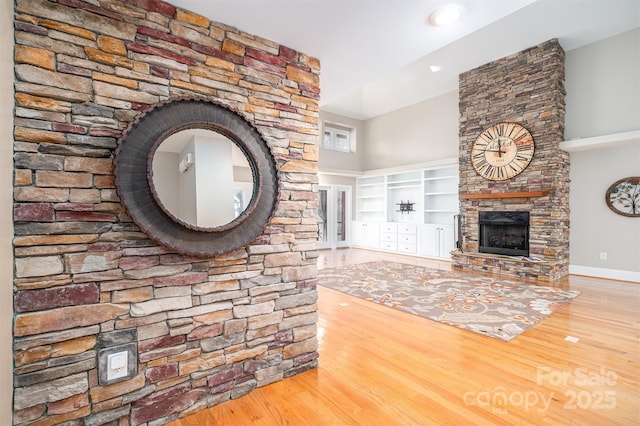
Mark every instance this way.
x=201 y=177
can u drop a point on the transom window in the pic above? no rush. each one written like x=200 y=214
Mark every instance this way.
x=338 y=138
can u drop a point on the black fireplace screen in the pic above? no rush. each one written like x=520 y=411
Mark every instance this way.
x=504 y=233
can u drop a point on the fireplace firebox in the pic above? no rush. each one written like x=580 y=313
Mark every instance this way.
x=504 y=232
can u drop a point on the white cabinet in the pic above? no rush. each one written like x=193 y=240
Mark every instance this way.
x=408 y=211
x=407 y=238
x=436 y=240
x=389 y=236
x=365 y=234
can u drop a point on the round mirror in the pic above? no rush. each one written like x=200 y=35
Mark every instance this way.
x=201 y=178
x=175 y=139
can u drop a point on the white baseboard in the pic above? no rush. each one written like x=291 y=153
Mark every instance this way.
x=613 y=274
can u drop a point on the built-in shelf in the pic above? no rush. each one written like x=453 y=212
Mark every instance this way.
x=599 y=142
x=441 y=177
x=452 y=212
x=441 y=193
x=530 y=194
x=404 y=186
x=408 y=211
x=432 y=191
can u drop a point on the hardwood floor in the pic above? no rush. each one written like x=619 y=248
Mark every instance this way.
x=380 y=366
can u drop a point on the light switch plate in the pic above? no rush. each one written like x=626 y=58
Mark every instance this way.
x=117 y=365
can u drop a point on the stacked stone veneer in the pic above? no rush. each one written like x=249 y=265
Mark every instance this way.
x=205 y=330
x=527 y=88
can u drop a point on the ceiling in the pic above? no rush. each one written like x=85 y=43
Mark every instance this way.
x=376 y=54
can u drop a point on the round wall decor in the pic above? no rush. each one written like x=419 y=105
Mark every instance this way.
x=134 y=177
x=623 y=196
x=502 y=151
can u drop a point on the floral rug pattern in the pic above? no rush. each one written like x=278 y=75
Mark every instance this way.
x=492 y=306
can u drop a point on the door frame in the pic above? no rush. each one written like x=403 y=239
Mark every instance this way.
x=332 y=217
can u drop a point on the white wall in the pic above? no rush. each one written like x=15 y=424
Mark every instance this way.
x=188 y=211
x=214 y=181
x=328 y=179
x=603 y=97
x=335 y=160
x=603 y=87
x=594 y=227
x=418 y=133
x=166 y=177
x=6 y=208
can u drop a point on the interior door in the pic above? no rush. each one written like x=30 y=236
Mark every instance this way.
x=343 y=215
x=323 y=217
x=334 y=216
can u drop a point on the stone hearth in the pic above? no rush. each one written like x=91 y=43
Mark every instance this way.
x=527 y=88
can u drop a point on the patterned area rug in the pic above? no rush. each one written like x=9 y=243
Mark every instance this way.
x=491 y=306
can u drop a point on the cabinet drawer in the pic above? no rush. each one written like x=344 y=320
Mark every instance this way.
x=386 y=236
x=389 y=227
x=389 y=245
x=407 y=248
x=407 y=238
x=407 y=229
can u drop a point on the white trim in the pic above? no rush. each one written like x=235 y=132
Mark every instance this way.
x=613 y=274
x=411 y=167
x=339 y=172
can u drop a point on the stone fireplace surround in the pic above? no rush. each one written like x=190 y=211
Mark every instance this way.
x=527 y=88
x=86 y=279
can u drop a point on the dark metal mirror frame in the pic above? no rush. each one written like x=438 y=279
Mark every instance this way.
x=133 y=176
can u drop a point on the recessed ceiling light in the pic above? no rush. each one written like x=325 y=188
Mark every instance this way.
x=445 y=15
x=435 y=68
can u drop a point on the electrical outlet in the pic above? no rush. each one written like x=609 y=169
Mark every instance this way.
x=603 y=255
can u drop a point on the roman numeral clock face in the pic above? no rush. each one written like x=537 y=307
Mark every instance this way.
x=502 y=151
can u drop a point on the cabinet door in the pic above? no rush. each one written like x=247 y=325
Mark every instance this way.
x=358 y=234
x=436 y=240
x=429 y=241
x=365 y=234
x=372 y=235
x=447 y=243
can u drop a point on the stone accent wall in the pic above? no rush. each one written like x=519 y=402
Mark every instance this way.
x=527 y=88
x=205 y=330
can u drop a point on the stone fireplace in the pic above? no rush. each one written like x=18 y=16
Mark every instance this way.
x=526 y=88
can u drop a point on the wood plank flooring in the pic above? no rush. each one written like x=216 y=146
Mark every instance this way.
x=380 y=366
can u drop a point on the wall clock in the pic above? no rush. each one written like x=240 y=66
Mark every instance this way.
x=502 y=151
x=623 y=196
